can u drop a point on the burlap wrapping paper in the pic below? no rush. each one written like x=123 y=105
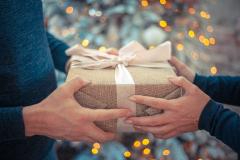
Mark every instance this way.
x=102 y=93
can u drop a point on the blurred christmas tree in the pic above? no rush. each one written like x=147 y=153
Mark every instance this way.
x=113 y=23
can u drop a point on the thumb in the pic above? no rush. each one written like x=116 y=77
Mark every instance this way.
x=75 y=84
x=181 y=82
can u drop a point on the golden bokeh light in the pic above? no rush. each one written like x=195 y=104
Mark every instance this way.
x=201 y=38
x=144 y=3
x=212 y=41
x=151 y=47
x=195 y=56
x=85 y=43
x=146 y=151
x=180 y=47
x=191 y=10
x=94 y=151
x=166 y=152
x=137 y=144
x=127 y=154
x=102 y=49
x=96 y=145
x=191 y=33
x=163 y=23
x=206 y=42
x=213 y=70
x=69 y=10
x=163 y=2
x=210 y=29
x=145 y=141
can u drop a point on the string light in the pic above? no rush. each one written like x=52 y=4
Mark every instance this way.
x=94 y=151
x=213 y=70
x=146 y=151
x=145 y=141
x=144 y=3
x=166 y=152
x=201 y=38
x=191 y=33
x=206 y=42
x=212 y=41
x=195 y=56
x=163 y=2
x=210 y=29
x=180 y=47
x=69 y=10
x=205 y=15
x=102 y=49
x=127 y=154
x=151 y=47
x=163 y=23
x=85 y=43
x=96 y=145
x=191 y=10
x=137 y=144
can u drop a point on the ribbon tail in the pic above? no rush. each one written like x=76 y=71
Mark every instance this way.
x=125 y=88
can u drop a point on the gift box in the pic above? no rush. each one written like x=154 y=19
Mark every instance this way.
x=135 y=71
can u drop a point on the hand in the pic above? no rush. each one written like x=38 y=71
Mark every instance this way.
x=59 y=116
x=180 y=115
x=182 y=69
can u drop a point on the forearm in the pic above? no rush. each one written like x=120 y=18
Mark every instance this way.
x=11 y=124
x=221 y=123
x=224 y=89
x=58 y=49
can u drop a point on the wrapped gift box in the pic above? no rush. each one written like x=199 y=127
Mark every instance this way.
x=110 y=86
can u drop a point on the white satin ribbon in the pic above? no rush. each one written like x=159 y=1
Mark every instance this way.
x=133 y=54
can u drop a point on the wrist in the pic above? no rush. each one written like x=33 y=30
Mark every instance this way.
x=33 y=120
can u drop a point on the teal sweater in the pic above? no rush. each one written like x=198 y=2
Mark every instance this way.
x=28 y=56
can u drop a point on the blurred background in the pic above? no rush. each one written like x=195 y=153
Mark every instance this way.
x=205 y=35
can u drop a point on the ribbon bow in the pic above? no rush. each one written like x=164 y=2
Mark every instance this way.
x=133 y=54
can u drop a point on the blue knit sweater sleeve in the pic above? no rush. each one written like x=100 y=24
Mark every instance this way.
x=224 y=89
x=221 y=123
x=58 y=49
x=11 y=126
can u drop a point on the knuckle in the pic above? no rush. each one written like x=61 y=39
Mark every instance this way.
x=181 y=79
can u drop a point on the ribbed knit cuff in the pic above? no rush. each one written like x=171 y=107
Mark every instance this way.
x=207 y=115
x=12 y=124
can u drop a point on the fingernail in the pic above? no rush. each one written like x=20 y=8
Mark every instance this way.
x=129 y=121
x=132 y=98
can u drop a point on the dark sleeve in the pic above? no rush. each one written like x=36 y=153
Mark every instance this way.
x=224 y=89
x=222 y=123
x=11 y=124
x=58 y=49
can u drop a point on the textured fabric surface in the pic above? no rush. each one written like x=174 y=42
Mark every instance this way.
x=217 y=120
x=102 y=92
x=26 y=75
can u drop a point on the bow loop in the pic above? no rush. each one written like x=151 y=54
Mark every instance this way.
x=132 y=54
